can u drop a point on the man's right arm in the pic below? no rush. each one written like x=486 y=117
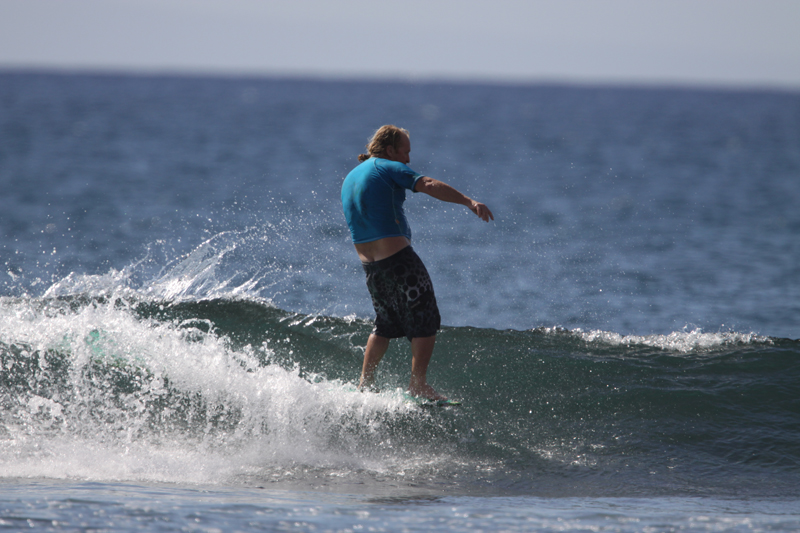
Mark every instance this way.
x=444 y=192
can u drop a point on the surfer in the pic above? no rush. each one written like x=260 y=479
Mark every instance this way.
x=402 y=293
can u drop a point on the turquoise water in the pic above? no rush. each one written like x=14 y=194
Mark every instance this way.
x=182 y=316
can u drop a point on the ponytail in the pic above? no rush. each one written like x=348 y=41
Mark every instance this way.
x=386 y=136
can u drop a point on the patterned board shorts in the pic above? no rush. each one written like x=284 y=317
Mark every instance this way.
x=402 y=294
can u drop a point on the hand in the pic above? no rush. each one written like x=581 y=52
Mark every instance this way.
x=483 y=212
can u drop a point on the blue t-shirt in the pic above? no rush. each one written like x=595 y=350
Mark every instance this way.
x=372 y=197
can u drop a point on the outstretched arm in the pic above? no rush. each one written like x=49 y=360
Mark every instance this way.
x=444 y=192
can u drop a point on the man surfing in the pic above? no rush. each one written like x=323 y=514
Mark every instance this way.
x=402 y=294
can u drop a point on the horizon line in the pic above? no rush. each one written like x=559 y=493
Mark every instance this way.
x=410 y=78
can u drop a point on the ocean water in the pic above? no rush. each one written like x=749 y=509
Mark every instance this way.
x=182 y=315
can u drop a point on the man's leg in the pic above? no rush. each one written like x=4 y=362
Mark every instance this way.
x=421 y=352
x=376 y=348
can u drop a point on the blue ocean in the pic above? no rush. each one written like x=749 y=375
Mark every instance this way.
x=183 y=315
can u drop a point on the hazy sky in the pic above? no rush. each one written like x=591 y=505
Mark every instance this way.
x=695 y=42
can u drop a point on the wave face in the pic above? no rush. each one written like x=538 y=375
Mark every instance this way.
x=130 y=387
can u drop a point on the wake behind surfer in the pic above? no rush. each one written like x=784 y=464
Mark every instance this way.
x=402 y=293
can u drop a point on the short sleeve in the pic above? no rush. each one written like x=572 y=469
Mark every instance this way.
x=402 y=175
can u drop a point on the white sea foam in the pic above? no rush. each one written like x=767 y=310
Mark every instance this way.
x=679 y=341
x=278 y=419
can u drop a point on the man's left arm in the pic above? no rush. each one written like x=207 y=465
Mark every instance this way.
x=444 y=192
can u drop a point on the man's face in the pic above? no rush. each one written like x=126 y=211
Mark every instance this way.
x=401 y=152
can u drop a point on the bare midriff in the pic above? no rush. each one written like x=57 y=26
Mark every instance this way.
x=369 y=252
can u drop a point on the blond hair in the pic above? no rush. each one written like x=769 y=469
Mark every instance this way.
x=385 y=137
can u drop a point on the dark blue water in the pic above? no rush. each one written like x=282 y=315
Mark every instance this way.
x=182 y=314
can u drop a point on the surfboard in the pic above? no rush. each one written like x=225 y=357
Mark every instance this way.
x=425 y=402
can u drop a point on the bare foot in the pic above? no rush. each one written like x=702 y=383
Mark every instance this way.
x=369 y=388
x=425 y=391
